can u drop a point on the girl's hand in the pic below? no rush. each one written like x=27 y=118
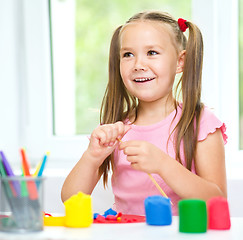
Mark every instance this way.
x=104 y=140
x=143 y=156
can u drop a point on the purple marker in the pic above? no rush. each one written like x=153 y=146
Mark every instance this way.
x=10 y=173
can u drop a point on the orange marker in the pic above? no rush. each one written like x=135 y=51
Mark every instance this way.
x=32 y=189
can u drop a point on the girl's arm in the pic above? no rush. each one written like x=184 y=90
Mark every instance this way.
x=84 y=176
x=210 y=180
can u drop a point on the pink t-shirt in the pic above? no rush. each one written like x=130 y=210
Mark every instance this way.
x=131 y=187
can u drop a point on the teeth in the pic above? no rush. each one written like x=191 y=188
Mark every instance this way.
x=143 y=79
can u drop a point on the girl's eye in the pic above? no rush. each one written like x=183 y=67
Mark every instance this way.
x=127 y=54
x=151 y=53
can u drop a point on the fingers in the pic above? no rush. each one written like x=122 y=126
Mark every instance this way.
x=128 y=144
x=130 y=150
x=137 y=154
x=143 y=155
x=108 y=134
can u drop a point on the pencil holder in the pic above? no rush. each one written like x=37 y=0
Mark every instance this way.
x=21 y=204
x=192 y=216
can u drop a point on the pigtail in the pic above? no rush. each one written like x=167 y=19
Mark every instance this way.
x=117 y=103
x=187 y=127
x=109 y=111
x=112 y=99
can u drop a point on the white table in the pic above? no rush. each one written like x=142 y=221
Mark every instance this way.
x=127 y=231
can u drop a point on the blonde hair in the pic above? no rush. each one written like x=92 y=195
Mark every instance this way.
x=118 y=104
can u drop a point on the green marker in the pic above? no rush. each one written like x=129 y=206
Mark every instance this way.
x=23 y=188
x=2 y=170
x=3 y=174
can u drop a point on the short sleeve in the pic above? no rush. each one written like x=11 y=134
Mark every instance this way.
x=209 y=123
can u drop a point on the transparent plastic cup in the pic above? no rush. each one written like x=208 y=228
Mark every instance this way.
x=21 y=204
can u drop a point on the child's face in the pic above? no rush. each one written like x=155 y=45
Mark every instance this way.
x=148 y=60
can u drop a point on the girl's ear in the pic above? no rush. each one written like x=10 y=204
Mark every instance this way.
x=181 y=61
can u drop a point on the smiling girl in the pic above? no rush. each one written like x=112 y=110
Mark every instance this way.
x=179 y=142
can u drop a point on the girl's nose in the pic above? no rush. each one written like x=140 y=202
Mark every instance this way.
x=140 y=64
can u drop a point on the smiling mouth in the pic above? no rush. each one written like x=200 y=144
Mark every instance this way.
x=140 y=80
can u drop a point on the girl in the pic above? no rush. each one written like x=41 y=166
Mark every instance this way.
x=179 y=142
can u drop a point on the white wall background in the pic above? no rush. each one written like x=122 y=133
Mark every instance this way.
x=9 y=82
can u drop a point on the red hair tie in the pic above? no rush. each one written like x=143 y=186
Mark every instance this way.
x=182 y=24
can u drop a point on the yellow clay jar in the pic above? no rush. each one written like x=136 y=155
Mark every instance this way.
x=78 y=210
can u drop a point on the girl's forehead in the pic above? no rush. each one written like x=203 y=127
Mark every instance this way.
x=145 y=28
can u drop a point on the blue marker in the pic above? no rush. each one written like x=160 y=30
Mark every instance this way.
x=43 y=165
x=40 y=172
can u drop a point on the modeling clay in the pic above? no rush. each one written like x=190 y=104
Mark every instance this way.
x=192 y=216
x=110 y=211
x=158 y=210
x=78 y=211
x=100 y=219
x=218 y=214
x=54 y=221
x=122 y=219
x=119 y=214
x=110 y=217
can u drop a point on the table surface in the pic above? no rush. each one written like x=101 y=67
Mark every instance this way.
x=128 y=231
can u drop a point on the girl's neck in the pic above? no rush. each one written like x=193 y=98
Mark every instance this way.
x=150 y=113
